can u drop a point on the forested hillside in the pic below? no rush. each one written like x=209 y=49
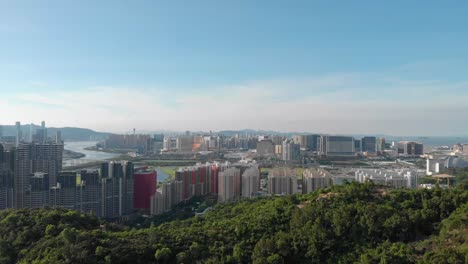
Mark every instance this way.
x=357 y=223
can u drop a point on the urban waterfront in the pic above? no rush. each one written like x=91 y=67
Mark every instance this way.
x=233 y=132
x=94 y=156
x=90 y=155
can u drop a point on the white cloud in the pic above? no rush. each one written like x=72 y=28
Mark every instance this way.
x=345 y=103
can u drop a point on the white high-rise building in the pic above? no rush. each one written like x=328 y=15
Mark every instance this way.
x=157 y=203
x=314 y=179
x=291 y=150
x=250 y=182
x=31 y=133
x=229 y=182
x=19 y=134
x=282 y=181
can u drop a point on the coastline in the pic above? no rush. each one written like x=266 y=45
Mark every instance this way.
x=69 y=154
x=113 y=151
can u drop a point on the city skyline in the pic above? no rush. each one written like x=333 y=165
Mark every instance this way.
x=362 y=68
x=233 y=131
x=207 y=131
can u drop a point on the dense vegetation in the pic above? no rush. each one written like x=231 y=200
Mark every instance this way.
x=181 y=211
x=357 y=223
x=461 y=176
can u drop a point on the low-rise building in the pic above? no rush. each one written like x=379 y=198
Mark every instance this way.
x=436 y=165
x=392 y=178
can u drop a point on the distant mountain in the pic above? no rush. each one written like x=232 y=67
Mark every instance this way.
x=256 y=132
x=68 y=133
x=79 y=134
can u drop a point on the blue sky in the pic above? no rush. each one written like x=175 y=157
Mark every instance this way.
x=393 y=67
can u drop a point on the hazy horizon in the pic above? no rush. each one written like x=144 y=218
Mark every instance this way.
x=392 y=68
x=165 y=131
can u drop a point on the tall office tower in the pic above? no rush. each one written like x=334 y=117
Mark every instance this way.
x=277 y=140
x=410 y=148
x=279 y=150
x=37 y=195
x=31 y=158
x=307 y=142
x=6 y=178
x=185 y=143
x=157 y=204
x=158 y=137
x=380 y=144
x=203 y=177
x=89 y=192
x=128 y=187
x=43 y=133
x=19 y=133
x=290 y=150
x=116 y=189
x=322 y=145
x=265 y=148
x=111 y=174
x=300 y=140
x=22 y=173
x=337 y=146
x=145 y=187
x=252 y=143
x=200 y=181
x=177 y=192
x=212 y=170
x=250 y=182
x=369 y=144
x=64 y=193
x=195 y=180
x=156 y=143
x=314 y=179
x=166 y=197
x=311 y=142
x=174 y=193
x=282 y=181
x=197 y=143
x=185 y=177
x=357 y=145
x=215 y=168
x=58 y=137
x=167 y=144
x=229 y=185
x=30 y=133
x=47 y=158
x=209 y=143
